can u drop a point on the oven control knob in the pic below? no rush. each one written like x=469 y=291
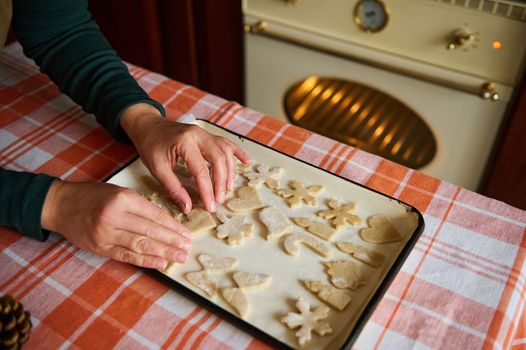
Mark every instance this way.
x=487 y=92
x=459 y=38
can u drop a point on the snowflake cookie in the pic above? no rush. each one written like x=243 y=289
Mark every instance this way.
x=308 y=321
x=234 y=228
x=340 y=214
x=297 y=192
x=263 y=174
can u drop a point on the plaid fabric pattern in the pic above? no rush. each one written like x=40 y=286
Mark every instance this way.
x=463 y=286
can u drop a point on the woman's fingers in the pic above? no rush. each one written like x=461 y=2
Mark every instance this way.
x=166 y=176
x=219 y=172
x=144 y=245
x=127 y=256
x=156 y=231
x=198 y=168
x=141 y=207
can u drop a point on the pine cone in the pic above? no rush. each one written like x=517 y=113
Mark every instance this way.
x=15 y=323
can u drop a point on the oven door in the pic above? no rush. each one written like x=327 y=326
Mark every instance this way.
x=464 y=125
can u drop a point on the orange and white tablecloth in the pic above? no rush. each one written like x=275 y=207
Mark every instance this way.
x=462 y=287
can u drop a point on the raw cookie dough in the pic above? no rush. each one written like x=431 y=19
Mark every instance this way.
x=380 y=230
x=251 y=281
x=308 y=321
x=237 y=299
x=234 y=228
x=340 y=215
x=292 y=241
x=344 y=274
x=276 y=221
x=170 y=267
x=297 y=192
x=317 y=228
x=334 y=297
x=242 y=168
x=247 y=199
x=199 y=220
x=363 y=254
x=201 y=281
x=263 y=174
x=216 y=264
x=165 y=203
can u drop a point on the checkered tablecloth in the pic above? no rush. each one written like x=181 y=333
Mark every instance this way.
x=462 y=287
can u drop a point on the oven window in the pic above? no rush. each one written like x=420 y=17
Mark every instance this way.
x=362 y=117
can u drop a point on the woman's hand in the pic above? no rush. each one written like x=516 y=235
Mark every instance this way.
x=116 y=222
x=161 y=142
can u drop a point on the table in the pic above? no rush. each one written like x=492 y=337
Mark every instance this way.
x=463 y=286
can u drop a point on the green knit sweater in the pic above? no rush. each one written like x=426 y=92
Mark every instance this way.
x=67 y=45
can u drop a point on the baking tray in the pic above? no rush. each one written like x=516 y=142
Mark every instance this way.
x=258 y=255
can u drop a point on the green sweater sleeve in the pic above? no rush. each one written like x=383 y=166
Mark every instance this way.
x=22 y=197
x=67 y=45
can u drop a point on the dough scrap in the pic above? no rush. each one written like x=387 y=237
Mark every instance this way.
x=308 y=321
x=334 y=297
x=263 y=174
x=242 y=168
x=340 y=215
x=292 y=241
x=199 y=220
x=361 y=253
x=380 y=230
x=201 y=281
x=216 y=264
x=297 y=192
x=170 y=267
x=344 y=274
x=251 y=281
x=234 y=228
x=165 y=203
x=276 y=221
x=237 y=299
x=317 y=228
x=247 y=199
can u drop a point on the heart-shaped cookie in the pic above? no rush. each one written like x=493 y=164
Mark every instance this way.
x=380 y=231
x=247 y=199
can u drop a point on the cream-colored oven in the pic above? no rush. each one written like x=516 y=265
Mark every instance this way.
x=422 y=82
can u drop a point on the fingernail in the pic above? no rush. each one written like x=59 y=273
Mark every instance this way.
x=183 y=206
x=221 y=197
x=181 y=256
x=213 y=207
x=187 y=244
x=186 y=234
x=161 y=264
x=230 y=185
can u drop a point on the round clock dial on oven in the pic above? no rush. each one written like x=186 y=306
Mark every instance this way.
x=371 y=15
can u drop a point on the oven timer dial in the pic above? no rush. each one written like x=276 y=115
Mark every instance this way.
x=371 y=15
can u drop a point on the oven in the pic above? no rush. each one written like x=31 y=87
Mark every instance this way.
x=424 y=83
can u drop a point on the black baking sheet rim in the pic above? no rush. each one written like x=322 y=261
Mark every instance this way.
x=258 y=333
